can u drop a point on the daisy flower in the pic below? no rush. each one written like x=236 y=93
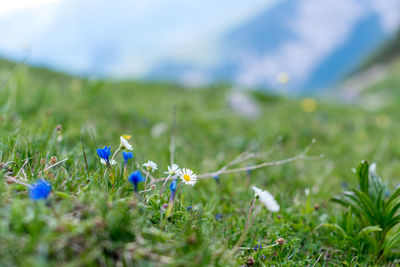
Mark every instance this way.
x=150 y=166
x=125 y=144
x=40 y=190
x=188 y=177
x=173 y=170
x=267 y=199
x=127 y=136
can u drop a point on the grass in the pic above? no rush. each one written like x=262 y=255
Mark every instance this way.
x=85 y=222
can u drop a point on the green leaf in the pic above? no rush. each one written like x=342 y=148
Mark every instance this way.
x=367 y=230
x=394 y=209
x=359 y=205
x=63 y=195
x=333 y=227
x=349 y=221
x=391 y=242
x=392 y=222
x=395 y=195
x=367 y=205
x=339 y=200
x=362 y=174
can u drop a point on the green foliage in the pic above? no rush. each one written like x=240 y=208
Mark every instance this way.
x=87 y=223
x=372 y=215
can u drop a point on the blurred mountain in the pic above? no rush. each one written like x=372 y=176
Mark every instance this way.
x=317 y=42
x=387 y=52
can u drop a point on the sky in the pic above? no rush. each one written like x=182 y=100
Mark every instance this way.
x=173 y=28
x=135 y=38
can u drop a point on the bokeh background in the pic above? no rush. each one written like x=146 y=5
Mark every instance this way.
x=285 y=46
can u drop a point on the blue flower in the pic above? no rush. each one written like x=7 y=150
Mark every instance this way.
x=218 y=217
x=127 y=155
x=216 y=178
x=189 y=208
x=104 y=153
x=40 y=190
x=135 y=178
x=173 y=186
x=257 y=247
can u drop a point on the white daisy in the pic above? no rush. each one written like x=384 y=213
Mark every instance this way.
x=125 y=144
x=150 y=166
x=105 y=163
x=267 y=199
x=173 y=170
x=188 y=177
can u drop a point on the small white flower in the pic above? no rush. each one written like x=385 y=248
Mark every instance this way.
x=173 y=170
x=188 y=177
x=307 y=192
x=125 y=144
x=372 y=168
x=150 y=166
x=267 y=199
x=105 y=163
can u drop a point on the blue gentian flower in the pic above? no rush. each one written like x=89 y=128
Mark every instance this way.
x=104 y=153
x=216 y=178
x=40 y=190
x=189 y=208
x=218 y=217
x=127 y=155
x=135 y=178
x=173 y=186
x=262 y=257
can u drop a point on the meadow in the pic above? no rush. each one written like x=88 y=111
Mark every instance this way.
x=52 y=125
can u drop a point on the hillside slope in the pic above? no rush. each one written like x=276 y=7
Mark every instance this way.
x=88 y=223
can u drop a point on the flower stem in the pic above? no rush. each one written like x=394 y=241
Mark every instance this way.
x=125 y=169
x=115 y=153
x=239 y=244
x=177 y=189
x=18 y=181
x=145 y=185
x=163 y=186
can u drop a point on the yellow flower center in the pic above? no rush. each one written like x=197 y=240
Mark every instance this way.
x=186 y=177
x=126 y=136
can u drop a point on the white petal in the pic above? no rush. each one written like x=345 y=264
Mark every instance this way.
x=102 y=161
x=125 y=144
x=267 y=199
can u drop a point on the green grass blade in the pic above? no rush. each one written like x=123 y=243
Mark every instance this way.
x=362 y=175
x=369 y=229
x=333 y=227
